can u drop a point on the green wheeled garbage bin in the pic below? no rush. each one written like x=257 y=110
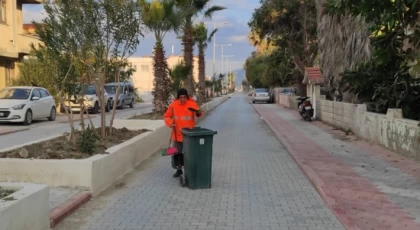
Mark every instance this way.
x=198 y=153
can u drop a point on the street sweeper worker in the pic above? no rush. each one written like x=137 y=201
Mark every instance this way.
x=181 y=113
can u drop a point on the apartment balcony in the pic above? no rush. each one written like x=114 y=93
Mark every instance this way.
x=31 y=1
x=24 y=42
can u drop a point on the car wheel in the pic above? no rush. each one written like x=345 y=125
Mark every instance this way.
x=108 y=107
x=253 y=102
x=132 y=103
x=28 y=117
x=53 y=114
x=95 y=109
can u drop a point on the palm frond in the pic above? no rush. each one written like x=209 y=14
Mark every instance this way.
x=213 y=9
x=211 y=35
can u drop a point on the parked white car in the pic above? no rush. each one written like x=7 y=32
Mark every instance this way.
x=25 y=104
x=91 y=101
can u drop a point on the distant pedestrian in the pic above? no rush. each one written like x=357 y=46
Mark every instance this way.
x=178 y=116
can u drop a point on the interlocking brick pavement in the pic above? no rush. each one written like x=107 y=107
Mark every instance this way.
x=256 y=185
x=372 y=189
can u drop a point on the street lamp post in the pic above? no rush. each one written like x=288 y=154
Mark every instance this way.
x=227 y=59
x=223 y=45
x=214 y=47
x=214 y=43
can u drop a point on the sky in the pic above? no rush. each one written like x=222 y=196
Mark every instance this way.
x=237 y=15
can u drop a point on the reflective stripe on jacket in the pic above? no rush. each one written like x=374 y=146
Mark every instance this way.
x=182 y=117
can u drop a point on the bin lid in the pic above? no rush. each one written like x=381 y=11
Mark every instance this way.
x=198 y=131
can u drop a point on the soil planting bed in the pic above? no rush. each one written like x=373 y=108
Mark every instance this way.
x=148 y=116
x=5 y=192
x=61 y=148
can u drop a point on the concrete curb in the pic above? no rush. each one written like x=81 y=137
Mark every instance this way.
x=13 y=131
x=68 y=207
x=78 y=119
x=316 y=181
x=27 y=207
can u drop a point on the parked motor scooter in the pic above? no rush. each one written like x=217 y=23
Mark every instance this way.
x=305 y=108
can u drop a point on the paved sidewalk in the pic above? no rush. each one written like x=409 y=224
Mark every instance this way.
x=366 y=186
x=256 y=185
x=59 y=195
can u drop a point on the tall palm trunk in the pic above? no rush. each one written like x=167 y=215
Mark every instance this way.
x=201 y=75
x=161 y=83
x=187 y=42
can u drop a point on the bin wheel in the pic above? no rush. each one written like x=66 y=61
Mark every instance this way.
x=182 y=180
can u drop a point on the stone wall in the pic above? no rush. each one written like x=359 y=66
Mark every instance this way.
x=288 y=101
x=336 y=113
x=390 y=130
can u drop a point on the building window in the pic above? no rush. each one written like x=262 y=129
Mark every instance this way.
x=144 y=68
x=3 y=11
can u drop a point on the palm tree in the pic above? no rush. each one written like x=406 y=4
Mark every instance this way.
x=219 y=84
x=160 y=17
x=209 y=88
x=178 y=75
x=201 y=37
x=194 y=9
x=230 y=81
x=214 y=85
x=344 y=42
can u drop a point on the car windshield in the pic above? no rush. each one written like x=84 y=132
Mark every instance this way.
x=111 y=89
x=89 y=90
x=15 y=93
x=261 y=90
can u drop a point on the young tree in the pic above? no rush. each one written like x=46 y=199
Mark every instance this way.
x=62 y=35
x=124 y=22
x=160 y=17
x=201 y=37
x=90 y=33
x=194 y=8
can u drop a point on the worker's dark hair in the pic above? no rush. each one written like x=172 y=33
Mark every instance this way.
x=182 y=92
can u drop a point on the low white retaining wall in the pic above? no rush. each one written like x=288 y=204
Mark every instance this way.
x=97 y=172
x=215 y=102
x=29 y=208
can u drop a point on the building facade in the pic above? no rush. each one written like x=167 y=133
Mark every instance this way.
x=15 y=38
x=143 y=76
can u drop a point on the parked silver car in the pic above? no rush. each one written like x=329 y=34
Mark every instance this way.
x=126 y=97
x=261 y=95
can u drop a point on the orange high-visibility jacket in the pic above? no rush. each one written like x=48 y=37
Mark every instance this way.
x=181 y=116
